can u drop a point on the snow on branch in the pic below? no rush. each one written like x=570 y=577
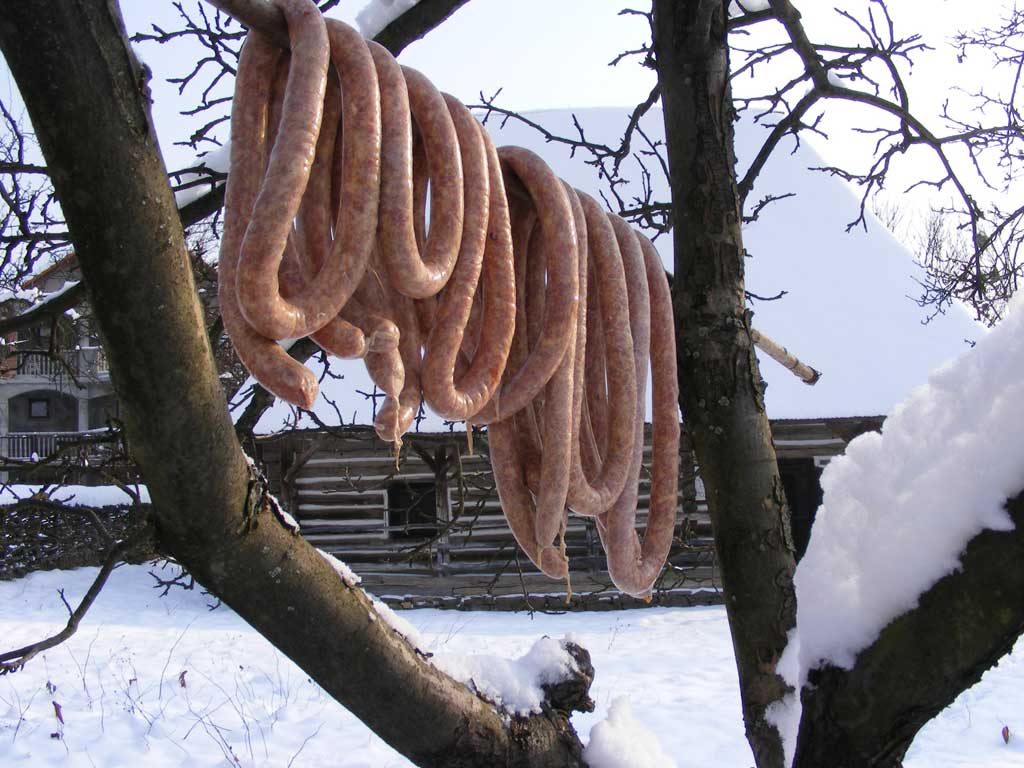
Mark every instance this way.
x=346 y=574
x=377 y=14
x=900 y=506
x=550 y=674
x=518 y=686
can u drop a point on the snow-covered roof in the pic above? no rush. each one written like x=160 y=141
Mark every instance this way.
x=848 y=311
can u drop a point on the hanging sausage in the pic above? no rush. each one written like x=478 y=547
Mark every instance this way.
x=521 y=305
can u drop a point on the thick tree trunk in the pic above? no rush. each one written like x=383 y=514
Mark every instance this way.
x=720 y=386
x=85 y=97
x=867 y=717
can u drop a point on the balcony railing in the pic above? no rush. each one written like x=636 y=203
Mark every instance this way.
x=41 y=364
x=35 y=445
x=90 y=362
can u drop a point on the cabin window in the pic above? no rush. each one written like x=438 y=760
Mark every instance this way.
x=38 y=408
x=412 y=510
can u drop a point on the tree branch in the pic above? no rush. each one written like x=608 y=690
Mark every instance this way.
x=921 y=661
x=721 y=392
x=415 y=23
x=986 y=275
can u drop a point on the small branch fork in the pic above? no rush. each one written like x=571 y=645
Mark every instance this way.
x=640 y=207
x=221 y=33
x=13 y=661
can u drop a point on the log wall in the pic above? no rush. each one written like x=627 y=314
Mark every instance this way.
x=428 y=529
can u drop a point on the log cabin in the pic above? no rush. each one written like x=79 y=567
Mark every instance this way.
x=431 y=532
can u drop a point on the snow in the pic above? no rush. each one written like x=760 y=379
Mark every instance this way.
x=379 y=13
x=35 y=296
x=31 y=295
x=348 y=576
x=217 y=160
x=397 y=623
x=834 y=79
x=623 y=741
x=283 y=515
x=748 y=6
x=118 y=684
x=514 y=685
x=939 y=473
x=785 y=713
x=846 y=312
x=75 y=495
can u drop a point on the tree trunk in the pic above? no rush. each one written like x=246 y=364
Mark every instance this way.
x=721 y=390
x=85 y=94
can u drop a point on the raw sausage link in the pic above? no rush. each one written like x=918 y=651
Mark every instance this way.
x=288 y=170
x=560 y=421
x=516 y=500
x=634 y=567
x=313 y=224
x=355 y=182
x=595 y=497
x=553 y=210
x=265 y=359
x=485 y=235
x=405 y=92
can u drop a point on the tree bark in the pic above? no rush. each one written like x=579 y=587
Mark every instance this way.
x=868 y=716
x=721 y=390
x=82 y=86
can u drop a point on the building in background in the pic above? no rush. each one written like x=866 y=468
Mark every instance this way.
x=54 y=382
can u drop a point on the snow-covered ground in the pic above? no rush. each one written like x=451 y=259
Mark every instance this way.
x=166 y=682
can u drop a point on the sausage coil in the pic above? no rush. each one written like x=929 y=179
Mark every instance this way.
x=516 y=303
